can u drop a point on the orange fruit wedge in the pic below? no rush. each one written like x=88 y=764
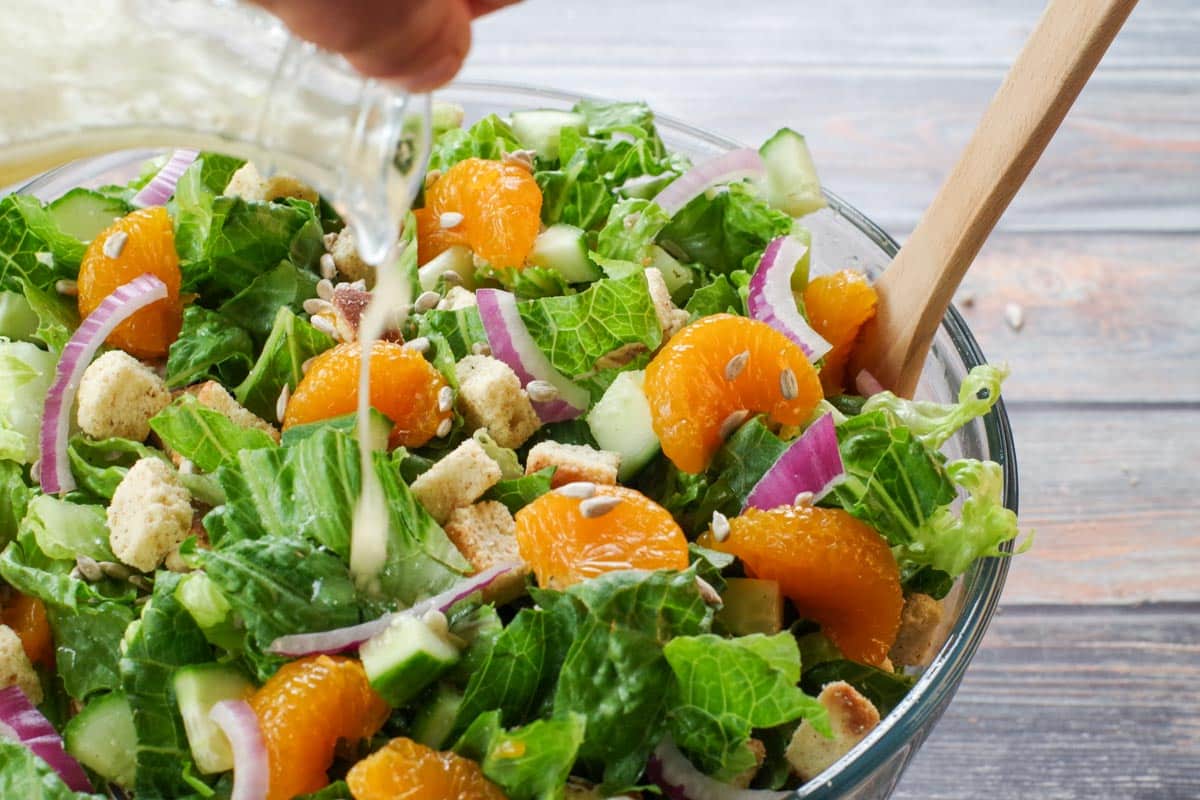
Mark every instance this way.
x=405 y=769
x=838 y=306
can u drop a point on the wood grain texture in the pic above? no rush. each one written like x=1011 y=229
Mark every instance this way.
x=1065 y=703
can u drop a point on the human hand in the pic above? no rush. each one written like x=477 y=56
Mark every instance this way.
x=420 y=44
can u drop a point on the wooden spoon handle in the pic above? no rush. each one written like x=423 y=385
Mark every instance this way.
x=915 y=291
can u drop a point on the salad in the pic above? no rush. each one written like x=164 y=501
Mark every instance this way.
x=645 y=526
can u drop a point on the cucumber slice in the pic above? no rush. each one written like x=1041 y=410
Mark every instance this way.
x=751 y=606
x=103 y=739
x=17 y=318
x=197 y=689
x=792 y=184
x=408 y=656
x=540 y=130
x=676 y=276
x=564 y=248
x=446 y=116
x=457 y=259
x=83 y=213
x=435 y=721
x=620 y=423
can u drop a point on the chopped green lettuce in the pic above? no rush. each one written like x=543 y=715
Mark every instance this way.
x=99 y=465
x=27 y=569
x=87 y=644
x=529 y=763
x=64 y=530
x=725 y=231
x=58 y=316
x=489 y=138
x=934 y=423
x=527 y=283
x=516 y=493
x=719 y=296
x=255 y=307
x=208 y=438
x=17 y=318
x=630 y=230
x=210 y=346
x=884 y=689
x=14 y=499
x=24 y=775
x=292 y=342
x=26 y=372
x=32 y=246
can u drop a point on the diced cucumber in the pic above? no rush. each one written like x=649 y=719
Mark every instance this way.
x=83 y=213
x=17 y=318
x=800 y=273
x=751 y=606
x=200 y=595
x=197 y=689
x=103 y=739
x=792 y=184
x=676 y=276
x=620 y=423
x=408 y=656
x=457 y=259
x=564 y=248
x=435 y=721
x=540 y=130
x=446 y=116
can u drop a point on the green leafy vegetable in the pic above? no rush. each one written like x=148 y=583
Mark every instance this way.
x=885 y=690
x=488 y=138
x=100 y=465
x=516 y=493
x=255 y=307
x=210 y=345
x=14 y=499
x=24 y=775
x=527 y=283
x=528 y=763
x=30 y=571
x=58 y=316
x=17 y=318
x=934 y=423
x=630 y=230
x=726 y=232
x=32 y=246
x=208 y=438
x=292 y=342
x=26 y=373
x=87 y=646
x=64 y=530
x=719 y=296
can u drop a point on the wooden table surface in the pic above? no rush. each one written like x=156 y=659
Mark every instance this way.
x=1088 y=685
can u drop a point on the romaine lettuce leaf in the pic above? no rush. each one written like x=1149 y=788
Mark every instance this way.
x=884 y=689
x=87 y=646
x=516 y=493
x=527 y=283
x=14 y=499
x=17 y=318
x=26 y=372
x=727 y=231
x=532 y=762
x=255 y=307
x=488 y=138
x=210 y=345
x=24 y=775
x=30 y=571
x=726 y=687
x=58 y=316
x=64 y=530
x=719 y=296
x=934 y=423
x=292 y=342
x=208 y=438
x=630 y=230
x=32 y=247
x=99 y=465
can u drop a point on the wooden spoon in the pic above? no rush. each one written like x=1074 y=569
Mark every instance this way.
x=916 y=289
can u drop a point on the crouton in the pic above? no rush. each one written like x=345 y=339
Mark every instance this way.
x=919 y=623
x=15 y=666
x=457 y=298
x=851 y=716
x=150 y=514
x=117 y=397
x=249 y=185
x=574 y=462
x=490 y=397
x=214 y=396
x=670 y=319
x=759 y=750
x=349 y=263
x=458 y=480
x=486 y=535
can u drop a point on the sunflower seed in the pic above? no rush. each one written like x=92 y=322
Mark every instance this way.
x=443 y=429
x=436 y=621
x=187 y=466
x=788 y=385
x=720 y=526
x=481 y=349
x=1014 y=315
x=325 y=288
x=598 y=506
x=308 y=362
x=735 y=365
x=445 y=399
x=522 y=158
x=325 y=326
x=804 y=499
x=733 y=422
x=115 y=244
x=426 y=301
x=75 y=573
x=707 y=593
x=143 y=600
x=88 y=568
x=420 y=344
x=450 y=219
x=452 y=278
x=281 y=404
x=141 y=582
x=431 y=177
x=542 y=391
x=580 y=490
x=68 y=287
x=328 y=267
x=315 y=306
x=114 y=570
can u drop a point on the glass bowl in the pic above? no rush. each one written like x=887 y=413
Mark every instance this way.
x=842 y=237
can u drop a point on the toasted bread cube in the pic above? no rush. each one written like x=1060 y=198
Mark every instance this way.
x=574 y=462
x=349 y=263
x=490 y=396
x=456 y=298
x=759 y=750
x=458 y=480
x=214 y=396
x=919 y=624
x=15 y=667
x=249 y=185
x=851 y=716
x=150 y=514
x=486 y=534
x=118 y=395
x=670 y=319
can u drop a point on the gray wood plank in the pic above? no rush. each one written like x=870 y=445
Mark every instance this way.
x=1109 y=491
x=1072 y=704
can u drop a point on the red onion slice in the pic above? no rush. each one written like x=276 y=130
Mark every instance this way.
x=771 y=299
x=511 y=343
x=20 y=721
x=160 y=188
x=54 y=472
x=251 y=767
x=727 y=167
x=341 y=639
x=680 y=780
x=812 y=463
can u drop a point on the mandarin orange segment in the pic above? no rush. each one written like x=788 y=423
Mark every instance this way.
x=567 y=539
x=303 y=710
x=139 y=243
x=501 y=208
x=405 y=770
x=717 y=367
x=404 y=386
x=27 y=617
x=838 y=305
x=836 y=570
